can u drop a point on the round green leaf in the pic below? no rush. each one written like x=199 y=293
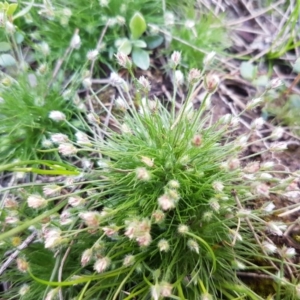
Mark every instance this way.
x=125 y=47
x=294 y=100
x=6 y=60
x=153 y=41
x=19 y=37
x=139 y=44
x=262 y=80
x=137 y=25
x=248 y=70
x=4 y=46
x=141 y=58
x=296 y=66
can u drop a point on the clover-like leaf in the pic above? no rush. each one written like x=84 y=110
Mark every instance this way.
x=296 y=66
x=139 y=44
x=140 y=58
x=11 y=9
x=153 y=41
x=6 y=60
x=4 y=46
x=137 y=25
x=248 y=70
x=125 y=47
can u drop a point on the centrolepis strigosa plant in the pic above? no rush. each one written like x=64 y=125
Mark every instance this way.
x=163 y=207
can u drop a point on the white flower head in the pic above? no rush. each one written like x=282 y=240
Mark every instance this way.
x=92 y=54
x=36 y=201
x=209 y=58
x=82 y=138
x=52 y=238
x=142 y=174
x=179 y=77
x=175 y=59
x=102 y=264
x=76 y=41
x=59 y=138
x=86 y=256
x=57 y=116
x=51 y=190
x=268 y=247
x=166 y=202
x=129 y=260
x=163 y=245
x=193 y=245
x=67 y=149
x=76 y=201
x=276 y=228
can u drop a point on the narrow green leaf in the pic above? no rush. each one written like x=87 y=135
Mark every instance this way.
x=140 y=58
x=137 y=25
x=6 y=60
x=24 y=11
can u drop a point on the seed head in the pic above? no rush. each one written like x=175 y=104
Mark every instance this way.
x=145 y=84
x=257 y=123
x=92 y=54
x=197 y=140
x=194 y=76
x=102 y=264
x=144 y=240
x=82 y=138
x=182 y=229
x=277 y=133
x=166 y=202
x=209 y=58
x=57 y=116
x=269 y=248
x=67 y=149
x=193 y=245
x=253 y=103
x=276 y=228
x=158 y=216
x=91 y=218
x=76 y=41
x=59 y=138
x=275 y=83
x=175 y=59
x=36 y=201
x=142 y=174
x=22 y=265
x=147 y=161
x=123 y=60
x=76 y=201
x=211 y=83
x=218 y=186
x=174 y=184
x=24 y=289
x=129 y=260
x=86 y=256
x=179 y=77
x=163 y=245
x=288 y=252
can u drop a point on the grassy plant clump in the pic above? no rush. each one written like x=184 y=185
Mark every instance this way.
x=158 y=210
